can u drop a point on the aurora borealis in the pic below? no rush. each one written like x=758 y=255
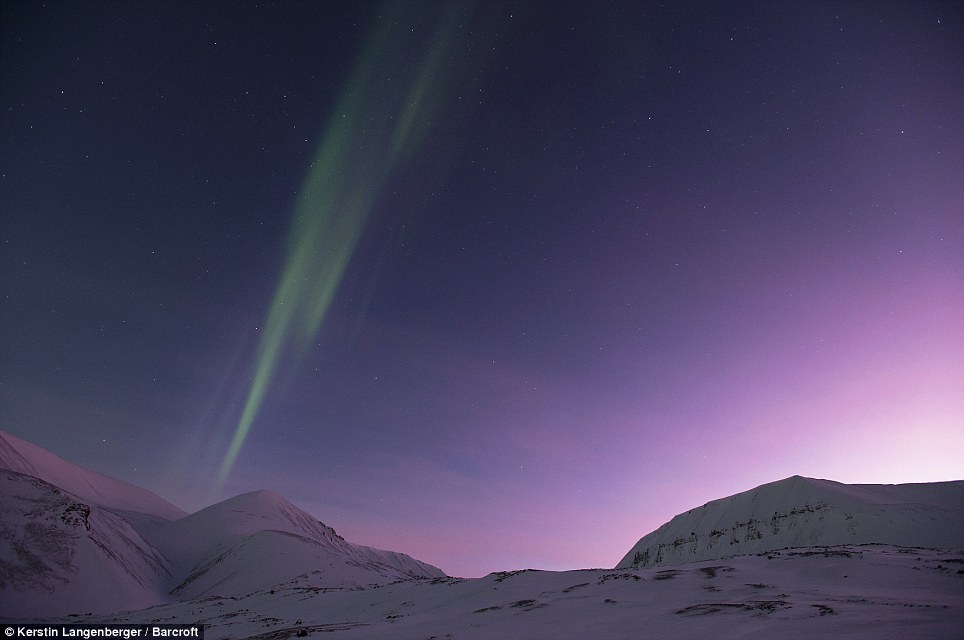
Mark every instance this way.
x=368 y=132
x=498 y=285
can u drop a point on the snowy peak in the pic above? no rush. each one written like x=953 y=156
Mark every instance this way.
x=798 y=512
x=256 y=511
x=214 y=550
x=192 y=540
x=12 y=460
x=801 y=489
x=64 y=528
x=29 y=459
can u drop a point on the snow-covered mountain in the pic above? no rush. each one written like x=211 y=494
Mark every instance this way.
x=803 y=512
x=60 y=554
x=256 y=567
x=29 y=459
x=64 y=529
x=213 y=550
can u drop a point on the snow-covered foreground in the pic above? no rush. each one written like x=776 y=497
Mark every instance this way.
x=850 y=591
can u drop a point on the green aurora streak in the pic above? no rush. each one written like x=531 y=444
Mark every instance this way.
x=372 y=129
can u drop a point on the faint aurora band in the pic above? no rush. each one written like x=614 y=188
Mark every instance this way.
x=372 y=129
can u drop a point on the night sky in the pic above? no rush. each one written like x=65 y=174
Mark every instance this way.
x=501 y=285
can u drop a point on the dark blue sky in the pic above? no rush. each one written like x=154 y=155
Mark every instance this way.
x=591 y=264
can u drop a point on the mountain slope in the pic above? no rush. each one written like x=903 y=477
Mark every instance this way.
x=799 y=512
x=59 y=554
x=29 y=459
x=59 y=541
x=214 y=549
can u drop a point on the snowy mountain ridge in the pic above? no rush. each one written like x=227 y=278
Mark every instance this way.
x=29 y=459
x=257 y=567
x=55 y=546
x=212 y=548
x=803 y=512
x=64 y=528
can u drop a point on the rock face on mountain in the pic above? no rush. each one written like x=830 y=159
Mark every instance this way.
x=802 y=512
x=74 y=541
x=60 y=554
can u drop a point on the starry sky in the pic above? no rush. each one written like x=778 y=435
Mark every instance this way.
x=499 y=285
